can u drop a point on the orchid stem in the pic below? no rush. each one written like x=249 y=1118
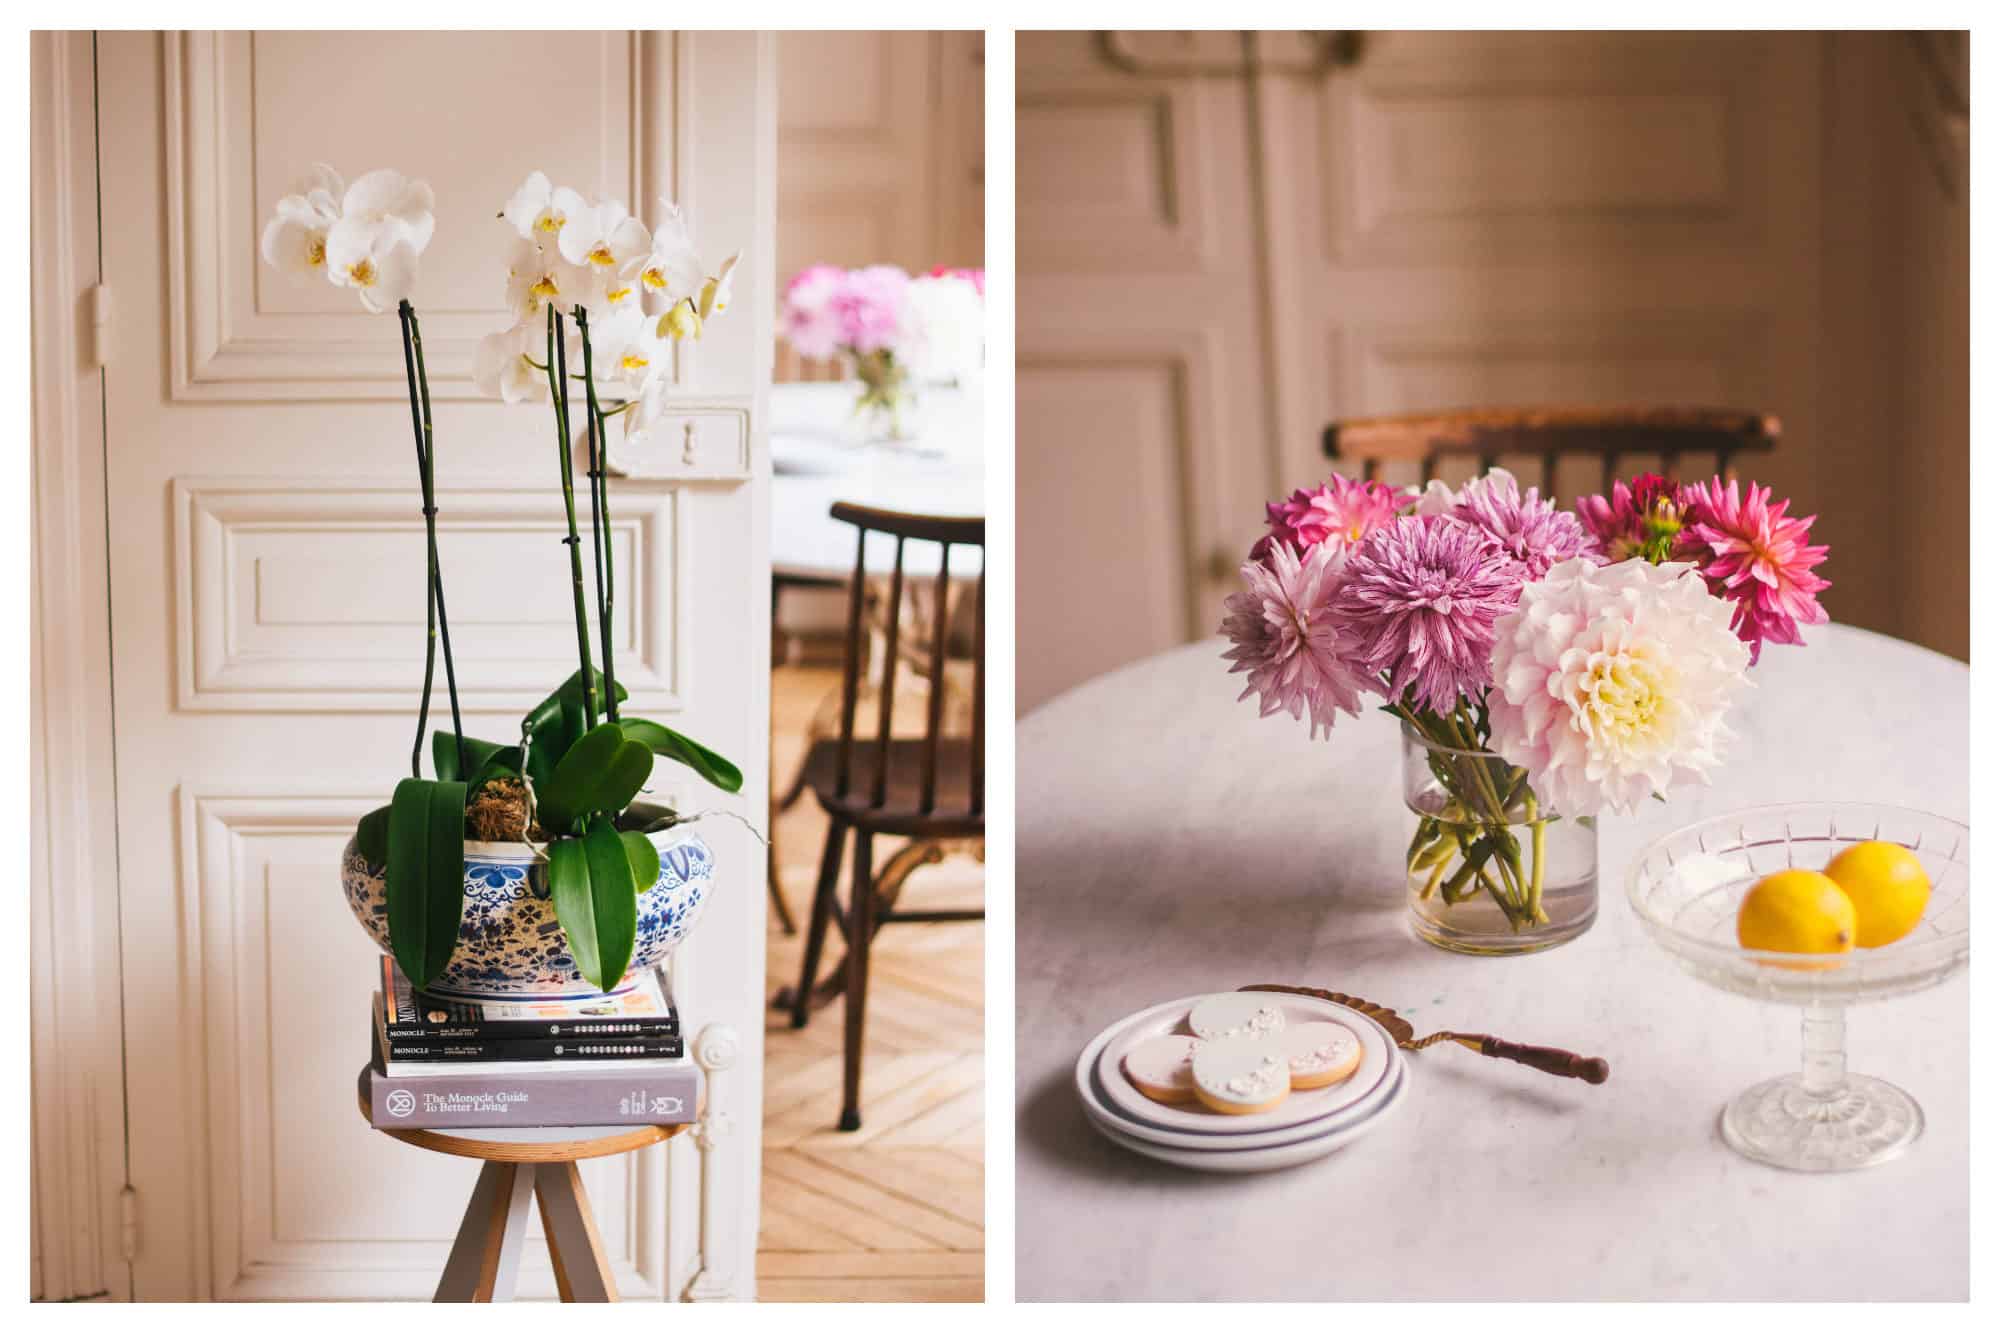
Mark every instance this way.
x=559 y=392
x=437 y=627
x=600 y=516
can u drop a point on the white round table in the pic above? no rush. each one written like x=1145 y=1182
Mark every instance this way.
x=817 y=459
x=1170 y=842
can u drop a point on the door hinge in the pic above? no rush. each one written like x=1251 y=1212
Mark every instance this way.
x=128 y=1223
x=100 y=326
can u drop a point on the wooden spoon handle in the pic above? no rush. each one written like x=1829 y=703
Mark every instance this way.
x=1548 y=1059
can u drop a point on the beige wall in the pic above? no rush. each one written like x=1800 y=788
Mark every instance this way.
x=1215 y=262
x=881 y=152
x=1896 y=369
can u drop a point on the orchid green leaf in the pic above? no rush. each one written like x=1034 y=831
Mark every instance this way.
x=425 y=884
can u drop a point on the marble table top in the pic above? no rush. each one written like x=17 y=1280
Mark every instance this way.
x=817 y=459
x=1170 y=843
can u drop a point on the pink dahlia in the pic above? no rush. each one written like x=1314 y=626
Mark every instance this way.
x=1418 y=603
x=1641 y=521
x=1529 y=528
x=1340 y=511
x=1756 y=557
x=1282 y=633
x=807 y=314
x=869 y=308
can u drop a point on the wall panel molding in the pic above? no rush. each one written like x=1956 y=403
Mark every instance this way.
x=1119 y=182
x=260 y=874
x=261 y=628
x=1629 y=356
x=1640 y=141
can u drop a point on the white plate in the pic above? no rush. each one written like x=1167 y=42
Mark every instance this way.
x=1099 y=1109
x=1244 y=1160
x=1296 y=1109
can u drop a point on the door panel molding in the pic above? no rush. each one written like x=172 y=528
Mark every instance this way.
x=239 y=542
x=271 y=1142
x=242 y=332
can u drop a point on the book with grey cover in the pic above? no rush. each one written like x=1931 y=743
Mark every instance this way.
x=665 y=1092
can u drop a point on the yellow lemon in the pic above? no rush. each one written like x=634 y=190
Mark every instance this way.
x=1887 y=886
x=1796 y=911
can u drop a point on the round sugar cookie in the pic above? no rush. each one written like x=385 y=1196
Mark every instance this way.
x=1235 y=1014
x=1163 y=1067
x=1320 y=1054
x=1241 y=1075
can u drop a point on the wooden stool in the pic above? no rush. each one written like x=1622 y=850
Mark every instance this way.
x=521 y=1162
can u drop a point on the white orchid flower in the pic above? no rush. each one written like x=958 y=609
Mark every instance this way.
x=647 y=410
x=539 y=211
x=537 y=275
x=715 y=292
x=682 y=320
x=501 y=365
x=671 y=267
x=380 y=263
x=610 y=298
x=294 y=240
x=390 y=201
x=627 y=351
x=605 y=239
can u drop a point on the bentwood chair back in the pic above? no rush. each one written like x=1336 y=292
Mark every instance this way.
x=930 y=789
x=1617 y=437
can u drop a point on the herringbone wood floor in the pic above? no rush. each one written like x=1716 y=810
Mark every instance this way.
x=895 y=1210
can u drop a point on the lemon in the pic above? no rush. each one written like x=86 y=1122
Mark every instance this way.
x=1887 y=886
x=1796 y=911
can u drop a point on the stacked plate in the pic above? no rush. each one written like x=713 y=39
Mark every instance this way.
x=1306 y=1125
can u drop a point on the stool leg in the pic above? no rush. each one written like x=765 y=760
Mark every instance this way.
x=487 y=1252
x=582 y=1271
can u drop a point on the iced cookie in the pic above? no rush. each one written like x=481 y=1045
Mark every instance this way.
x=1241 y=1075
x=1319 y=1053
x=1235 y=1014
x=1163 y=1068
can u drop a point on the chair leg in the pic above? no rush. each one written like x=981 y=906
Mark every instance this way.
x=860 y=933
x=823 y=909
x=778 y=903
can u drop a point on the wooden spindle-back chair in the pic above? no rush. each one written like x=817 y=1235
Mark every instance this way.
x=1616 y=436
x=930 y=789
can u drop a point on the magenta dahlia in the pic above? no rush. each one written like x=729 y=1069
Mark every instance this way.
x=1418 y=602
x=1752 y=554
x=1528 y=528
x=1282 y=632
x=1641 y=521
x=1341 y=512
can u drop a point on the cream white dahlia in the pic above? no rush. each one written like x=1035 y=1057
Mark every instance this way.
x=1610 y=683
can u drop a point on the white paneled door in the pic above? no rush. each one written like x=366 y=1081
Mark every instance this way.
x=267 y=610
x=1229 y=239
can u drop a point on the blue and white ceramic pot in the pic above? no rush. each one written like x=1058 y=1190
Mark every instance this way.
x=509 y=942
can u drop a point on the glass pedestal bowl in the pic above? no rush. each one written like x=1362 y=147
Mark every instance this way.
x=1686 y=888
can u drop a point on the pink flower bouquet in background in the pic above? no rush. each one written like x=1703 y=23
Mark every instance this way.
x=896 y=331
x=1547 y=665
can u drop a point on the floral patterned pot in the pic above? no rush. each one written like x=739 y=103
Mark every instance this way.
x=509 y=942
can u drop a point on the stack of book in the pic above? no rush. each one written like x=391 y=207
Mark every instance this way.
x=617 y=1059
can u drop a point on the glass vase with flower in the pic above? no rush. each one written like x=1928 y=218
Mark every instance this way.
x=1546 y=666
